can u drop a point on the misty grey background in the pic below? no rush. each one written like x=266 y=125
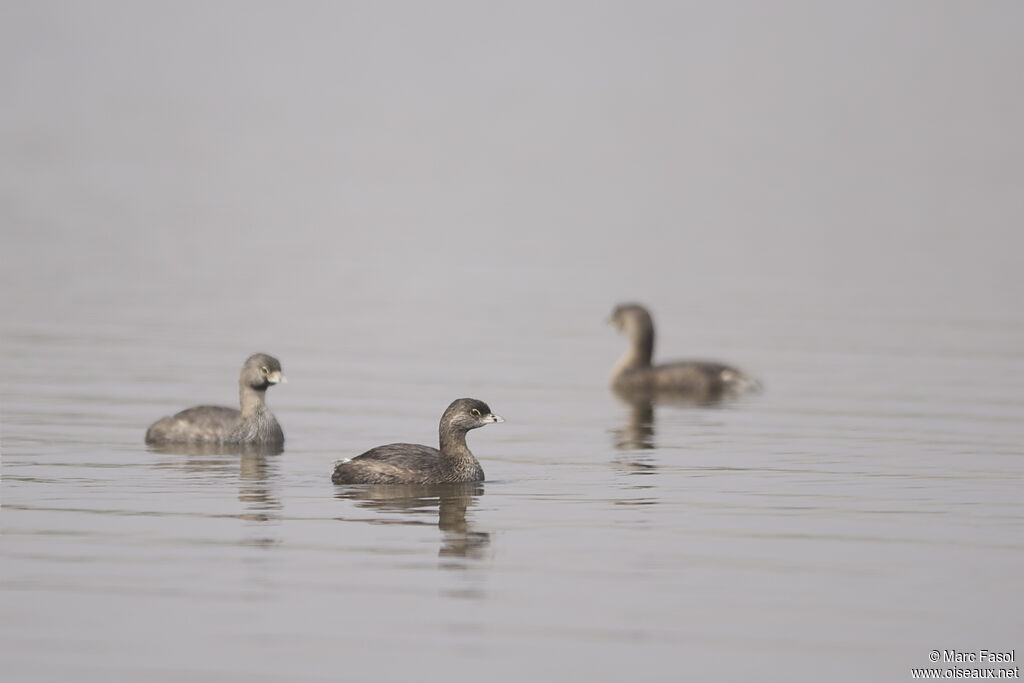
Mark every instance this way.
x=410 y=202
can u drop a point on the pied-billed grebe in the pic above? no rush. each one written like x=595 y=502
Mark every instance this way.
x=634 y=374
x=253 y=424
x=407 y=463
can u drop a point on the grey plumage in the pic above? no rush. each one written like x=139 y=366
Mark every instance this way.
x=635 y=376
x=406 y=463
x=252 y=424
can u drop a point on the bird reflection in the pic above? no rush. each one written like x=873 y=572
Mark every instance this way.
x=451 y=501
x=255 y=466
x=254 y=483
x=217 y=449
x=638 y=432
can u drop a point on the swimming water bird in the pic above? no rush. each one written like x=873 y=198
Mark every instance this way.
x=407 y=463
x=253 y=424
x=634 y=376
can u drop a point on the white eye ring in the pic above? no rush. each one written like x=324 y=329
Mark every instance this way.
x=475 y=412
x=264 y=370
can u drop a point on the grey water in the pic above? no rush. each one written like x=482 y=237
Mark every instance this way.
x=408 y=203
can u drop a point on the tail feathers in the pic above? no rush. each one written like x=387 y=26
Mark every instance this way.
x=739 y=382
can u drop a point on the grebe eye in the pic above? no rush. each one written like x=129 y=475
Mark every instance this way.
x=264 y=370
x=475 y=412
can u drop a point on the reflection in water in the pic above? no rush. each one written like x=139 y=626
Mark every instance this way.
x=451 y=501
x=255 y=466
x=216 y=449
x=638 y=433
x=254 y=483
x=669 y=397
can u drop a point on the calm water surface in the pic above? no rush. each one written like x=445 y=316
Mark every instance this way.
x=398 y=246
